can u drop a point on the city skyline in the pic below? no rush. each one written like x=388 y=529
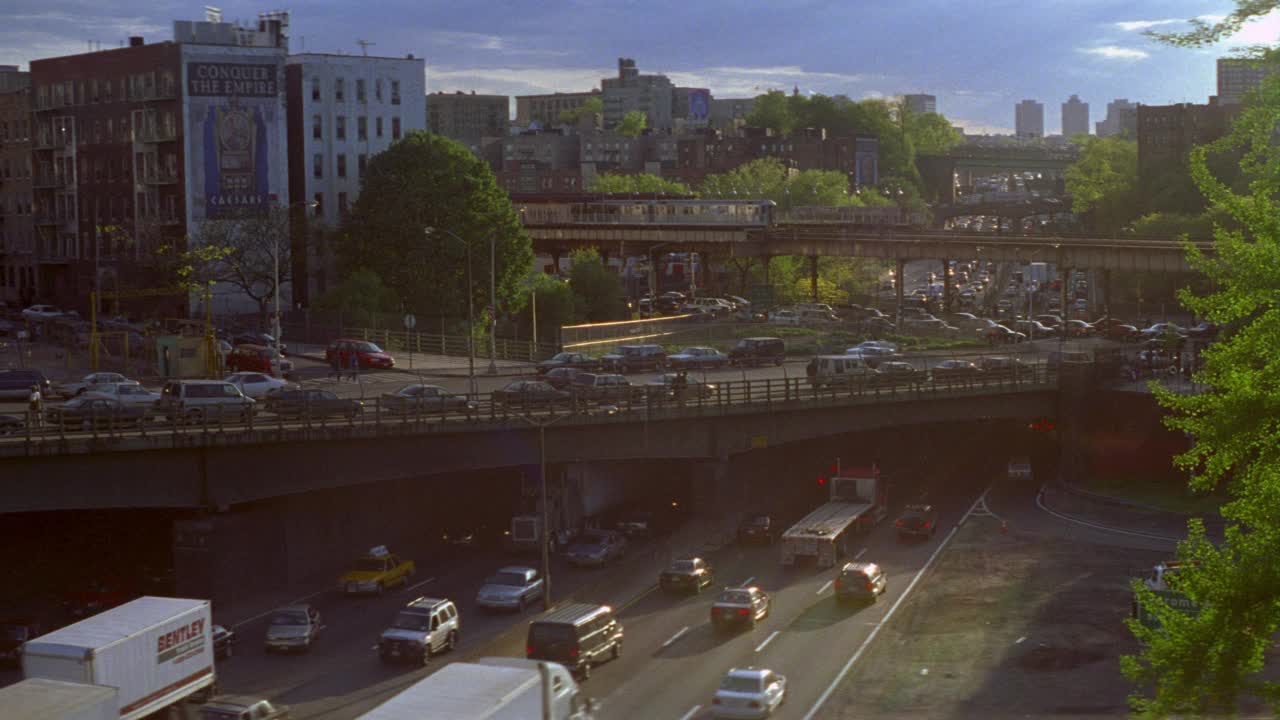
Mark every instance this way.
x=1096 y=53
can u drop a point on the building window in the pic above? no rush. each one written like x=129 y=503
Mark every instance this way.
x=362 y=161
x=377 y=127
x=395 y=128
x=340 y=129
x=342 y=204
x=342 y=165
x=319 y=208
x=317 y=165
x=339 y=90
x=362 y=128
x=377 y=89
x=315 y=89
x=360 y=96
x=317 y=127
x=395 y=92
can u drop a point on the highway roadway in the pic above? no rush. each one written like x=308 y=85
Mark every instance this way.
x=672 y=661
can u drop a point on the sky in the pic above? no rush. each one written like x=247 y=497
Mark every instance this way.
x=979 y=59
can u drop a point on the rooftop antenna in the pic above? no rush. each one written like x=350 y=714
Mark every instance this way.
x=212 y=14
x=364 y=46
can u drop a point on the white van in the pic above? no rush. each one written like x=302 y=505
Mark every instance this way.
x=840 y=370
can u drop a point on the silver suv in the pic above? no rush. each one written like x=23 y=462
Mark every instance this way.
x=194 y=400
x=422 y=628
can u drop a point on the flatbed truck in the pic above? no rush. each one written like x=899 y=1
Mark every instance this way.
x=858 y=501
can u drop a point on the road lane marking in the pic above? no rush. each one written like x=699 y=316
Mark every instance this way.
x=1149 y=536
x=767 y=640
x=861 y=552
x=675 y=637
x=747 y=582
x=692 y=711
x=637 y=598
x=824 y=587
x=418 y=585
x=826 y=694
x=299 y=601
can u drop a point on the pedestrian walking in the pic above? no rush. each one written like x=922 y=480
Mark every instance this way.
x=354 y=367
x=35 y=405
x=335 y=367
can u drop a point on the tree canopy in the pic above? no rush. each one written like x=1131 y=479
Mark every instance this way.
x=1104 y=182
x=632 y=124
x=426 y=199
x=1204 y=664
x=597 y=290
x=645 y=183
x=588 y=107
x=361 y=298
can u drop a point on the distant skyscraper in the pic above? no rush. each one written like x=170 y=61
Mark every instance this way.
x=1029 y=120
x=1075 y=117
x=921 y=104
x=1237 y=76
x=1122 y=120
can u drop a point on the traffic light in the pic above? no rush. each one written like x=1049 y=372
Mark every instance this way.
x=1041 y=425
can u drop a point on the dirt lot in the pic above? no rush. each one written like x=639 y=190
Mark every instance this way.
x=1003 y=626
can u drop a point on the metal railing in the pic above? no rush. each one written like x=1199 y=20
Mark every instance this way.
x=55 y=433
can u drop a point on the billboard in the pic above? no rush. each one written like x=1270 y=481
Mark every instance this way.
x=235 y=117
x=699 y=104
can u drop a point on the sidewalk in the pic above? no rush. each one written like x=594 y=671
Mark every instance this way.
x=427 y=364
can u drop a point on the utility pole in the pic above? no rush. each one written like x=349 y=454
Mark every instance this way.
x=493 y=301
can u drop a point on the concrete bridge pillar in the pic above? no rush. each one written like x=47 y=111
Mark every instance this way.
x=1106 y=292
x=1063 y=297
x=946 y=285
x=555 y=262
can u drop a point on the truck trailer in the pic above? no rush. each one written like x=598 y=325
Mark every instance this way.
x=857 y=502
x=496 y=688
x=155 y=651
x=41 y=699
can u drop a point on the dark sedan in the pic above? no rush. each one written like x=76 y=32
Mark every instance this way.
x=898 y=372
x=955 y=370
x=668 y=387
x=89 y=412
x=1122 y=332
x=257 y=338
x=568 y=360
x=415 y=399
x=530 y=393
x=312 y=404
x=757 y=527
x=561 y=378
x=687 y=574
x=701 y=358
x=1001 y=334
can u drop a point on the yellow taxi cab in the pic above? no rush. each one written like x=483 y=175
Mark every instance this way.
x=376 y=571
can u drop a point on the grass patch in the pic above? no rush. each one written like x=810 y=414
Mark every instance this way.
x=1164 y=493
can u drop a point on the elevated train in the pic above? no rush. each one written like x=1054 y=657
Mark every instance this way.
x=598 y=209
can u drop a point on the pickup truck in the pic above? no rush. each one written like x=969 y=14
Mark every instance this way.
x=377 y=571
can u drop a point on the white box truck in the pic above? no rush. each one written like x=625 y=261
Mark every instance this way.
x=155 y=651
x=858 y=501
x=40 y=699
x=497 y=688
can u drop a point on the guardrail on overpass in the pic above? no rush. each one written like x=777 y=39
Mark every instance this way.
x=219 y=462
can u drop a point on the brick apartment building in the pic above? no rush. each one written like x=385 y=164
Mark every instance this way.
x=17 y=233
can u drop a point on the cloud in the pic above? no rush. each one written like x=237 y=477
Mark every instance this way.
x=1115 y=52
x=483 y=41
x=726 y=81
x=1135 y=25
x=974 y=127
x=513 y=80
x=1263 y=31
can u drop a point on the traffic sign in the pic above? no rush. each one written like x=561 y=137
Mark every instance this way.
x=410 y=321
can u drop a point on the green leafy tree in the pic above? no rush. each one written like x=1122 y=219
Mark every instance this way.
x=360 y=298
x=772 y=111
x=768 y=178
x=597 y=290
x=1104 y=182
x=643 y=183
x=1204 y=664
x=632 y=124
x=589 y=106
x=931 y=133
x=556 y=305
x=425 y=200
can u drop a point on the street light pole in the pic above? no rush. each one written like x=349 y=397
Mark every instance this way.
x=493 y=301
x=546 y=518
x=471 y=313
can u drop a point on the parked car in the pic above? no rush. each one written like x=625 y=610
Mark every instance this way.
x=784 y=317
x=529 y=393
x=758 y=527
x=90 y=382
x=754 y=351
x=511 y=588
x=635 y=358
x=17 y=384
x=1122 y=332
x=739 y=606
x=1004 y=367
x=1049 y=320
x=594 y=548
x=41 y=312
x=749 y=692
x=251 y=337
x=1080 y=329
x=193 y=400
x=687 y=575
x=417 y=398
x=577 y=360
x=293 y=627
x=1202 y=331
x=257 y=384
x=240 y=707
x=898 y=372
x=87 y=413
x=312 y=403
x=260 y=359
x=1162 y=329
x=604 y=387
x=128 y=393
x=1034 y=328
x=917 y=520
x=369 y=355
x=873 y=355
x=950 y=370
x=697 y=358
x=561 y=377
x=668 y=387
x=860 y=581
x=1001 y=334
